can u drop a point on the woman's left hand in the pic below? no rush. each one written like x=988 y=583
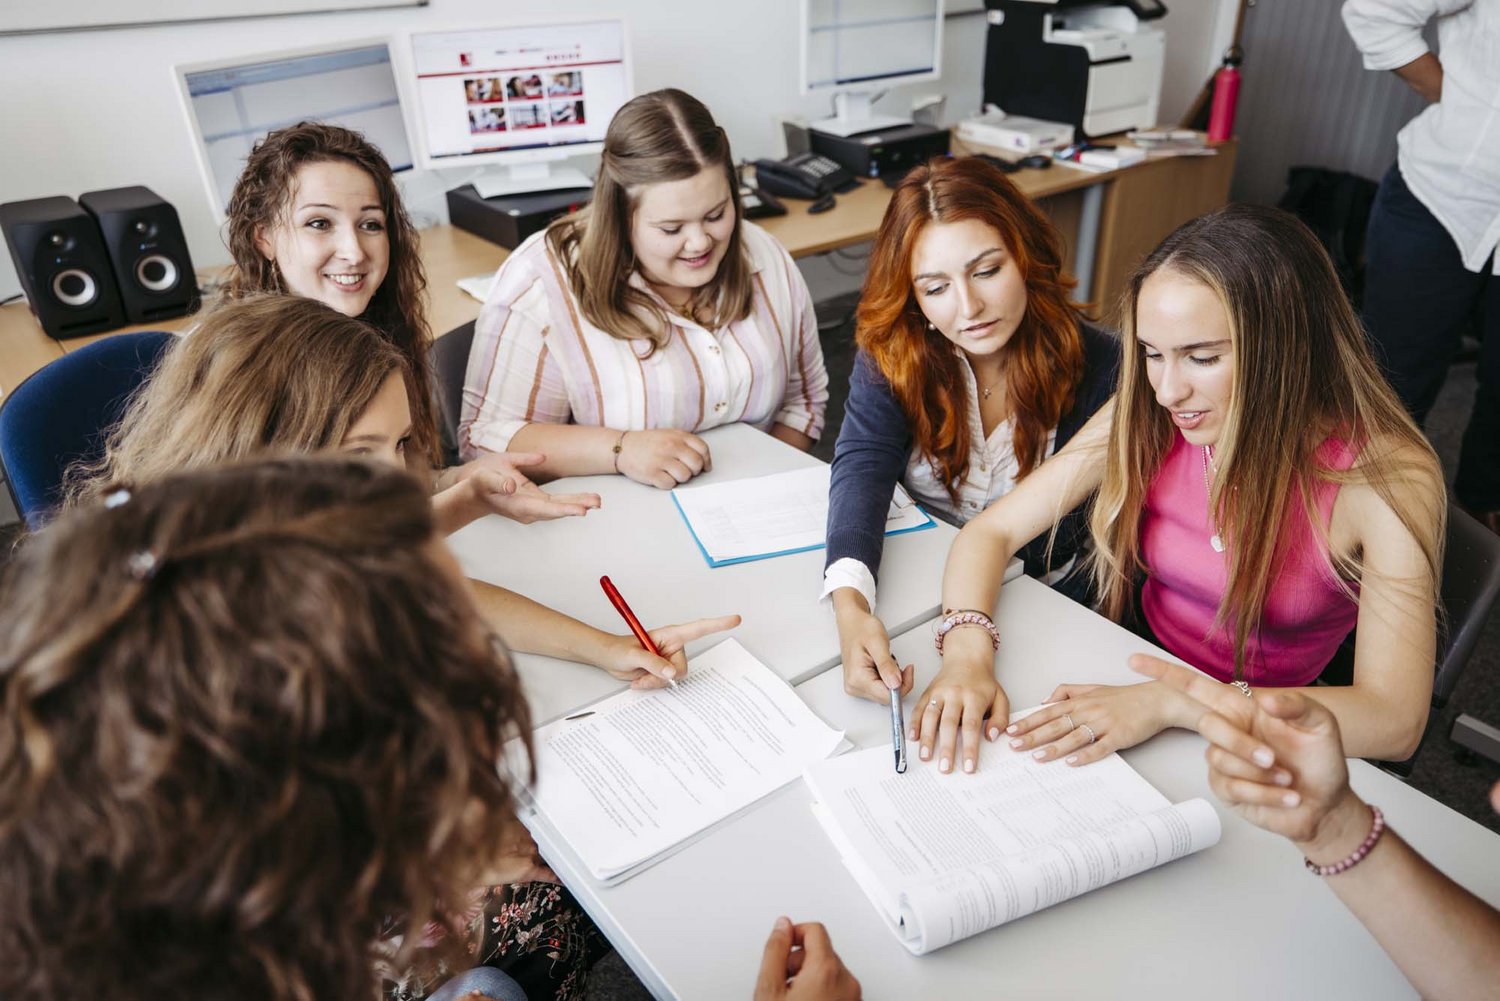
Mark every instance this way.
x=1116 y=716
x=519 y=861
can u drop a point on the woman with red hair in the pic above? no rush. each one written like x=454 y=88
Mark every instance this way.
x=974 y=366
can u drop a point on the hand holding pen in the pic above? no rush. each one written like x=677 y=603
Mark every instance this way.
x=654 y=658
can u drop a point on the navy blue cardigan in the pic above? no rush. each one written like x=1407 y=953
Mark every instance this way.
x=875 y=443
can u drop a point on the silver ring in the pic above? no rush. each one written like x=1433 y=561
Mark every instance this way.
x=1244 y=687
x=932 y=703
x=1089 y=730
x=1069 y=718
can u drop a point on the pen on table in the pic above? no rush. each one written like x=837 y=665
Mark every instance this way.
x=898 y=730
x=618 y=600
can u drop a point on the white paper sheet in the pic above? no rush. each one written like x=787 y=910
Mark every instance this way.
x=636 y=774
x=763 y=516
x=944 y=857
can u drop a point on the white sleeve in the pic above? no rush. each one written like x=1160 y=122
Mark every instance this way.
x=1389 y=32
x=848 y=572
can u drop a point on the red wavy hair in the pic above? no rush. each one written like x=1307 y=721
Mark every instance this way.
x=1043 y=359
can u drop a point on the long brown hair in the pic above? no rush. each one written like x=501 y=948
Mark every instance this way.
x=1303 y=372
x=261 y=200
x=1043 y=359
x=666 y=135
x=269 y=372
x=248 y=718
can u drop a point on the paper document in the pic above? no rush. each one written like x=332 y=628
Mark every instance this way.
x=630 y=778
x=944 y=857
x=764 y=516
x=478 y=286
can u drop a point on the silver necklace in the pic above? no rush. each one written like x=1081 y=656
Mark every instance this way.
x=1216 y=540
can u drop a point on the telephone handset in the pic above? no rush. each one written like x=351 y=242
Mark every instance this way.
x=806 y=175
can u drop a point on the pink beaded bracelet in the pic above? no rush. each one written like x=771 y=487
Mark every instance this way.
x=1344 y=865
x=968 y=617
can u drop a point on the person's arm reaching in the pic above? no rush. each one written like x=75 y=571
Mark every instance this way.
x=1277 y=759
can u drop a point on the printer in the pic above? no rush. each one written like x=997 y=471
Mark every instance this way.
x=1094 y=65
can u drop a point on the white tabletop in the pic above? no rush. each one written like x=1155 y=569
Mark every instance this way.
x=1242 y=919
x=640 y=541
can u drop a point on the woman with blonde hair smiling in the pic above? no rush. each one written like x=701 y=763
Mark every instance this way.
x=609 y=341
x=1259 y=492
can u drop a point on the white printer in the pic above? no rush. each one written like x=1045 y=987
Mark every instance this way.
x=1095 y=65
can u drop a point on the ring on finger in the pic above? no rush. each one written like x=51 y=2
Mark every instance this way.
x=1243 y=687
x=932 y=704
x=1069 y=718
x=1088 y=730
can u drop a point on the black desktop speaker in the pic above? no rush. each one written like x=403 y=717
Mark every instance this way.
x=63 y=266
x=150 y=255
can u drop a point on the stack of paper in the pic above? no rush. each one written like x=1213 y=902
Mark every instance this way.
x=633 y=778
x=944 y=857
x=765 y=516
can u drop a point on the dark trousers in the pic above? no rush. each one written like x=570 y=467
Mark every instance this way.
x=1419 y=300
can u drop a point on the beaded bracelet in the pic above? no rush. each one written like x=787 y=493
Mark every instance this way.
x=968 y=617
x=1377 y=828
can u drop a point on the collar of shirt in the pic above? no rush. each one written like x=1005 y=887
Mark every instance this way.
x=636 y=280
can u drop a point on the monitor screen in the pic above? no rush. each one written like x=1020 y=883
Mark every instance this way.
x=853 y=42
x=520 y=93
x=233 y=104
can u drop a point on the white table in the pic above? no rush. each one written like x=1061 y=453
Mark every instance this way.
x=639 y=539
x=1242 y=919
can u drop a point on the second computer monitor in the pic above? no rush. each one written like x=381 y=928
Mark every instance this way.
x=518 y=96
x=855 y=49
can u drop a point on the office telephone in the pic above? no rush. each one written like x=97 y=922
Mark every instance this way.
x=806 y=175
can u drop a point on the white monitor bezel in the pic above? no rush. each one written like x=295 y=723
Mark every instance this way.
x=805 y=87
x=200 y=152
x=421 y=150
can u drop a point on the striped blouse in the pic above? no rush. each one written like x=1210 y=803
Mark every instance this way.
x=537 y=359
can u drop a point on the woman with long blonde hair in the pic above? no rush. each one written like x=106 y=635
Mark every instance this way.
x=284 y=373
x=611 y=340
x=974 y=365
x=1259 y=493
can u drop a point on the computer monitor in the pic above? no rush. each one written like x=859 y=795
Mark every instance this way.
x=232 y=103
x=520 y=98
x=855 y=49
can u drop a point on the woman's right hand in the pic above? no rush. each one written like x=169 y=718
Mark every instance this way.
x=1281 y=766
x=663 y=457
x=870 y=671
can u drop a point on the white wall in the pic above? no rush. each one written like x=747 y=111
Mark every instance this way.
x=99 y=109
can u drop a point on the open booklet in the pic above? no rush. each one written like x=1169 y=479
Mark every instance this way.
x=763 y=516
x=944 y=857
x=636 y=776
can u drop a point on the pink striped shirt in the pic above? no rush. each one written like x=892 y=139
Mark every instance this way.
x=537 y=359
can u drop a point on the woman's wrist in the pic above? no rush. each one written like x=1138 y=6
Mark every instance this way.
x=1339 y=831
x=848 y=601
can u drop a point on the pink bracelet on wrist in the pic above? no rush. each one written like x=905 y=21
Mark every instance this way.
x=968 y=617
x=1377 y=828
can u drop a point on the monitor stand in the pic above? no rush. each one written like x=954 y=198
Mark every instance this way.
x=525 y=178
x=856 y=114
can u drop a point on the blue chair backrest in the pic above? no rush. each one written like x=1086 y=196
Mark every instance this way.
x=63 y=412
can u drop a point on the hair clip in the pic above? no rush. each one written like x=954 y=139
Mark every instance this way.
x=142 y=564
x=115 y=498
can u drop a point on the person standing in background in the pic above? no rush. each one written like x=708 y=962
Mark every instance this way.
x=1432 y=267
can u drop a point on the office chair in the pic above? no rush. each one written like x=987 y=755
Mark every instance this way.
x=61 y=413
x=1471 y=583
x=449 y=358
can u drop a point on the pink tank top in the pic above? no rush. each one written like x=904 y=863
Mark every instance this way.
x=1306 y=614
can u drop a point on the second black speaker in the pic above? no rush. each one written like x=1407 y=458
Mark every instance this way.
x=147 y=250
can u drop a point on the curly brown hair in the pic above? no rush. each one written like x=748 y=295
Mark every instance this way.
x=263 y=196
x=248 y=716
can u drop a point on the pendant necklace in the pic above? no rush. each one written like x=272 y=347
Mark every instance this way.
x=1215 y=540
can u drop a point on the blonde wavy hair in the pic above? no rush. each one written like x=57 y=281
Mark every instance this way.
x=263 y=372
x=1303 y=373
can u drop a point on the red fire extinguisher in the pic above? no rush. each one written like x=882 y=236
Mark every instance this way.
x=1226 y=95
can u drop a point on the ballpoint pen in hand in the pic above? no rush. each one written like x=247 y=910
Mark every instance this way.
x=618 y=600
x=898 y=730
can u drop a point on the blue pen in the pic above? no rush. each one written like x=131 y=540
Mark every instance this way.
x=898 y=731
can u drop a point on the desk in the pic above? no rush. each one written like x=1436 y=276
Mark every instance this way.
x=1242 y=916
x=639 y=539
x=1120 y=214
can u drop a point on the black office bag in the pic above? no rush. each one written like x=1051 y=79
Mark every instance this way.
x=1336 y=206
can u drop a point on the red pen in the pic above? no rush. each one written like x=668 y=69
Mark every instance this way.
x=618 y=600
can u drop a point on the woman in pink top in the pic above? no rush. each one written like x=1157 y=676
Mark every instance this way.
x=1256 y=482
